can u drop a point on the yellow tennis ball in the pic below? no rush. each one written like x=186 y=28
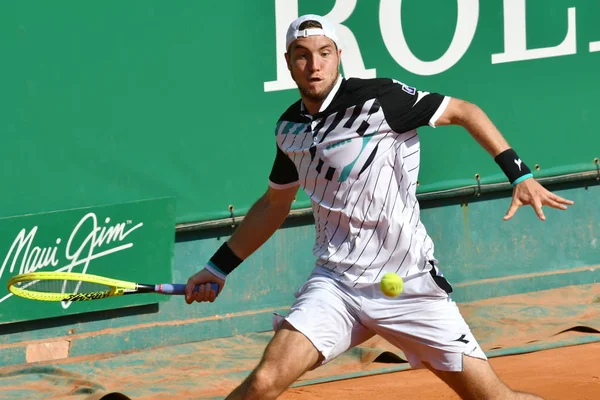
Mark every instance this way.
x=391 y=284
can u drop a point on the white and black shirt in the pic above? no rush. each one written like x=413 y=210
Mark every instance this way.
x=358 y=161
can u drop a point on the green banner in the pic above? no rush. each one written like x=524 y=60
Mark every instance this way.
x=107 y=102
x=131 y=241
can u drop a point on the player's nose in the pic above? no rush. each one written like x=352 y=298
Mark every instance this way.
x=314 y=64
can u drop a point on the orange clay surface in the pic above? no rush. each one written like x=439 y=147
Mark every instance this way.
x=564 y=373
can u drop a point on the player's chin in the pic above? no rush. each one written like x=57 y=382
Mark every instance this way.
x=315 y=92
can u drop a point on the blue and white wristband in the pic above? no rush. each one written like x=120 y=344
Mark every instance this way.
x=522 y=178
x=223 y=262
x=213 y=269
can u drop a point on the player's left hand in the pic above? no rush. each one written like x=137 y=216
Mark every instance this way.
x=530 y=192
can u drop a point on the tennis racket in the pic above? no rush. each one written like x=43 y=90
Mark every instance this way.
x=74 y=286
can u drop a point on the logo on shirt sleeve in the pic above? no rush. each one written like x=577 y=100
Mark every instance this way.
x=409 y=89
x=420 y=95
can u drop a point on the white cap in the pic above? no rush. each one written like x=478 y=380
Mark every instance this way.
x=294 y=32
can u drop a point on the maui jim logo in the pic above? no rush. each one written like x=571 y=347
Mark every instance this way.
x=89 y=240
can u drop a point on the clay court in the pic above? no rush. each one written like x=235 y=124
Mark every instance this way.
x=558 y=374
x=545 y=342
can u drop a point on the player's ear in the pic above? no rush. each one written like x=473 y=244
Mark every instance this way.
x=287 y=61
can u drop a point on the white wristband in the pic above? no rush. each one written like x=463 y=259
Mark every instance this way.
x=213 y=271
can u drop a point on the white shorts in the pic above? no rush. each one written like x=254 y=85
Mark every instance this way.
x=423 y=322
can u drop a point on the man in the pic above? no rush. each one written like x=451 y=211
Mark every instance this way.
x=352 y=146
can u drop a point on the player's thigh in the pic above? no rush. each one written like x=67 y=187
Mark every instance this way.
x=327 y=314
x=477 y=380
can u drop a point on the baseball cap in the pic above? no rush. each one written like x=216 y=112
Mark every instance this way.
x=294 y=32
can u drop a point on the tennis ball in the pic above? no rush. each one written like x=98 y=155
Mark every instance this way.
x=391 y=284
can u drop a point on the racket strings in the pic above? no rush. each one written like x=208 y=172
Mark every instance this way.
x=63 y=286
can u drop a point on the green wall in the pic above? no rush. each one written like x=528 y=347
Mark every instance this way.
x=114 y=101
x=481 y=255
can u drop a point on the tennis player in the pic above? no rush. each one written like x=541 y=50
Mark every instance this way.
x=352 y=145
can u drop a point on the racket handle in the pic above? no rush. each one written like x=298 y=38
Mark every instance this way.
x=179 y=288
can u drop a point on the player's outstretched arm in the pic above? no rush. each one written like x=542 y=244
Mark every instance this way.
x=527 y=191
x=264 y=217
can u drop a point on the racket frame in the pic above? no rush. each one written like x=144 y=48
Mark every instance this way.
x=116 y=287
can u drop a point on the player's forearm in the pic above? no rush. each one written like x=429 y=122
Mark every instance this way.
x=262 y=220
x=477 y=123
x=483 y=130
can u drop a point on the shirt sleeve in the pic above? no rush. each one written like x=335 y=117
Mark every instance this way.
x=406 y=108
x=283 y=173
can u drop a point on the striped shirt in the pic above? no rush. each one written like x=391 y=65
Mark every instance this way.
x=358 y=161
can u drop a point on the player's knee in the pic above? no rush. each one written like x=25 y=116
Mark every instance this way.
x=265 y=383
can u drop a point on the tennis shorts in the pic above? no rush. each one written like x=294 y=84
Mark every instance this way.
x=423 y=321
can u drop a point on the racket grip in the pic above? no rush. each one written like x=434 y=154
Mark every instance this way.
x=179 y=288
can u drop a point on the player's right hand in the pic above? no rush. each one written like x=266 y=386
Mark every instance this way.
x=203 y=279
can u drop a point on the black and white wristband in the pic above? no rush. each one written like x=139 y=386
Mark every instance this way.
x=515 y=170
x=223 y=262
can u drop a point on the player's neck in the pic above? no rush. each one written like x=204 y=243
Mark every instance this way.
x=312 y=106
